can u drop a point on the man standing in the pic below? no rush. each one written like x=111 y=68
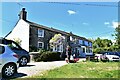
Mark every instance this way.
x=68 y=52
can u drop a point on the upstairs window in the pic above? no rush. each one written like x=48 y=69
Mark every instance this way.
x=80 y=42
x=86 y=43
x=90 y=44
x=40 y=33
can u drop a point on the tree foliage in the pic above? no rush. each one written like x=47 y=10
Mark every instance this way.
x=102 y=45
x=56 y=40
x=117 y=37
x=17 y=40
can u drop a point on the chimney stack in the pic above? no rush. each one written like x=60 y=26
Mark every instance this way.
x=23 y=14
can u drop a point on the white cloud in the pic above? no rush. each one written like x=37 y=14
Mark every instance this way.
x=112 y=24
x=106 y=23
x=70 y=12
x=115 y=24
x=85 y=23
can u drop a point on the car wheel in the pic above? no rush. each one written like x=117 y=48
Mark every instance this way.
x=8 y=70
x=23 y=61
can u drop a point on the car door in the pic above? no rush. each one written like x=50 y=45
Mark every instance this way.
x=2 y=50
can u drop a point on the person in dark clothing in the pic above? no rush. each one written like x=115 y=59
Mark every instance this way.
x=68 y=53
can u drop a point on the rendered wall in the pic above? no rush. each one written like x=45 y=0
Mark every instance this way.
x=21 y=31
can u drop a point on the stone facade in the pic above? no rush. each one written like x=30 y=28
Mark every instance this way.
x=48 y=34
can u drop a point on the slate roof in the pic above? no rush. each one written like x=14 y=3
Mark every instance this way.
x=54 y=30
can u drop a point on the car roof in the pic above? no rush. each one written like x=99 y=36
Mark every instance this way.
x=3 y=45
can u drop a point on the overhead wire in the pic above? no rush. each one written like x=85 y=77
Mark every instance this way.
x=74 y=3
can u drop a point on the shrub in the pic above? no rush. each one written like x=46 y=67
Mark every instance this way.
x=47 y=56
x=33 y=49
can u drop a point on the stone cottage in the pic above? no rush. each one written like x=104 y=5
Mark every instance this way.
x=33 y=34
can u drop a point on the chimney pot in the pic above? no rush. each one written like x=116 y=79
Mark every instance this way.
x=23 y=14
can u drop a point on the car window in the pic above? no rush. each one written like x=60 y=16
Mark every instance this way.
x=111 y=53
x=2 y=49
x=13 y=45
x=106 y=53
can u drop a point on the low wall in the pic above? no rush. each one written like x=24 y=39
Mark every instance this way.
x=32 y=56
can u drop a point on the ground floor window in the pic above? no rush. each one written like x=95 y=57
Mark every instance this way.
x=58 y=48
x=90 y=50
x=83 y=49
x=40 y=44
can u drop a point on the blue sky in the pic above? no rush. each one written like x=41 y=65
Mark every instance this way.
x=89 y=21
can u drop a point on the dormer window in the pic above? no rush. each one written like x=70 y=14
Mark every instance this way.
x=40 y=33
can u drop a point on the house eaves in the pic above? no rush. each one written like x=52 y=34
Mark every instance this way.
x=47 y=28
x=55 y=30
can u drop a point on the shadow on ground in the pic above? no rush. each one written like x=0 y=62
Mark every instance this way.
x=16 y=75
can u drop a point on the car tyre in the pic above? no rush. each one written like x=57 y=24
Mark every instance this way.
x=8 y=70
x=23 y=61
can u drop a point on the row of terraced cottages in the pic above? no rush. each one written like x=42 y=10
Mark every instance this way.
x=32 y=34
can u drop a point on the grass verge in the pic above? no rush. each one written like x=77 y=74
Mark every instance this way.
x=84 y=70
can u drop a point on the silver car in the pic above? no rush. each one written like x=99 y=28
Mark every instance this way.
x=8 y=61
x=109 y=56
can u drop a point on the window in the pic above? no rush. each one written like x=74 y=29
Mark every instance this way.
x=90 y=44
x=83 y=50
x=87 y=50
x=80 y=42
x=90 y=50
x=40 y=44
x=86 y=43
x=58 y=48
x=2 y=49
x=40 y=33
x=83 y=42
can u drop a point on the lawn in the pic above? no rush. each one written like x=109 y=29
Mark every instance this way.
x=84 y=70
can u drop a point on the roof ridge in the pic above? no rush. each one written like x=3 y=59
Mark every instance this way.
x=53 y=29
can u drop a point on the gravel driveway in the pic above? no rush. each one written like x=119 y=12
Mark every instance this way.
x=35 y=68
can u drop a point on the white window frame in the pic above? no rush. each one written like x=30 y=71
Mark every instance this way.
x=84 y=48
x=39 y=33
x=42 y=44
x=71 y=38
x=55 y=48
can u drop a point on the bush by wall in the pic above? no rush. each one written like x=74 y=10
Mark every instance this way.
x=47 y=56
x=33 y=49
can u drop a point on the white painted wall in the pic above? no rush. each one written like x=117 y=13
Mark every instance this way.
x=21 y=31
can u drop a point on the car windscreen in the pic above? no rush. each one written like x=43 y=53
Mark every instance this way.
x=117 y=53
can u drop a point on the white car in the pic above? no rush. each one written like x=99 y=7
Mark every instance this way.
x=110 y=56
x=8 y=61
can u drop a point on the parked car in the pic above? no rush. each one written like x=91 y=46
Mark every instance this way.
x=8 y=61
x=24 y=56
x=109 y=56
x=98 y=56
x=117 y=53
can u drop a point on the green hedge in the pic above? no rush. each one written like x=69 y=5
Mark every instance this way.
x=47 y=56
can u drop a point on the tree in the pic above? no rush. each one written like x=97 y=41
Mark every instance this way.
x=117 y=37
x=101 y=45
x=17 y=40
x=57 y=40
